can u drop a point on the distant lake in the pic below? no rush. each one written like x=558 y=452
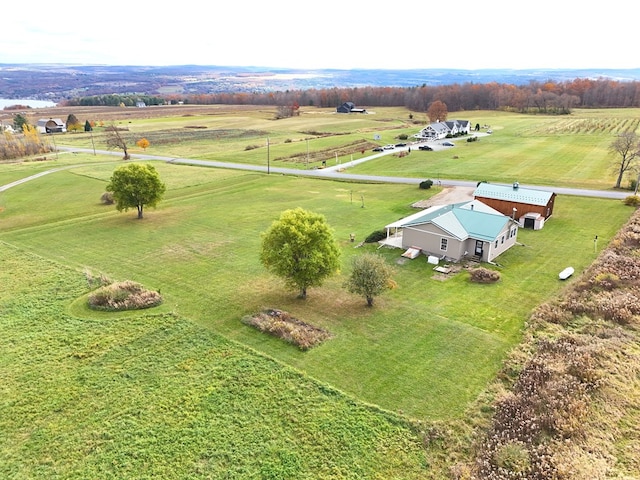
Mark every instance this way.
x=7 y=102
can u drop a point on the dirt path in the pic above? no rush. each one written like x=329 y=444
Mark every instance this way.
x=447 y=196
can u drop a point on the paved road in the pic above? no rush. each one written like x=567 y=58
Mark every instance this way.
x=334 y=172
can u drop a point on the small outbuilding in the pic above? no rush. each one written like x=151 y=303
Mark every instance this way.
x=530 y=207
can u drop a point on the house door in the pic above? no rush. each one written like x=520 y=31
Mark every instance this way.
x=529 y=223
x=479 y=244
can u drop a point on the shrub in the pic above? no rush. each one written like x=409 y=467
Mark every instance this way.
x=551 y=313
x=426 y=184
x=606 y=281
x=403 y=136
x=484 y=275
x=376 y=236
x=107 y=198
x=513 y=457
x=251 y=147
x=632 y=200
x=125 y=295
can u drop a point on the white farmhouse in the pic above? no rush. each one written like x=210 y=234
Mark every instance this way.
x=440 y=130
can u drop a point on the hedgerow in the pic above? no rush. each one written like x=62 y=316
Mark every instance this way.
x=579 y=359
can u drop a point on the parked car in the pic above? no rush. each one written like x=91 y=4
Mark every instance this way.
x=378 y=149
x=389 y=147
x=401 y=144
x=425 y=147
x=489 y=132
x=448 y=144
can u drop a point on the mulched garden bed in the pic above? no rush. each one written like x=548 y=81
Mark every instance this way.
x=282 y=325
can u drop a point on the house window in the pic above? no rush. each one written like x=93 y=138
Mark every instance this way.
x=496 y=244
x=443 y=244
x=502 y=239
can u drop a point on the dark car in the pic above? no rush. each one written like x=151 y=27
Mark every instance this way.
x=401 y=144
x=447 y=144
x=425 y=147
x=378 y=149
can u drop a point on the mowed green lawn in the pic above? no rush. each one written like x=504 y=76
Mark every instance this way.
x=569 y=151
x=427 y=348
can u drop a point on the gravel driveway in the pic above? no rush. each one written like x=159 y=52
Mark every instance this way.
x=447 y=196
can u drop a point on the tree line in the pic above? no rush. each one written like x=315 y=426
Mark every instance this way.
x=551 y=97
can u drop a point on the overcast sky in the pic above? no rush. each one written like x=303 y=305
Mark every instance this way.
x=340 y=34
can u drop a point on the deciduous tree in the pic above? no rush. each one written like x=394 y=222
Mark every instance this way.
x=370 y=276
x=73 y=124
x=299 y=247
x=135 y=185
x=143 y=143
x=437 y=111
x=626 y=147
x=116 y=139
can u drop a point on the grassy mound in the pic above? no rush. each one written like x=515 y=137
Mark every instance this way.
x=125 y=295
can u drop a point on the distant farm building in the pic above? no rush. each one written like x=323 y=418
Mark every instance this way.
x=530 y=207
x=350 y=107
x=51 y=125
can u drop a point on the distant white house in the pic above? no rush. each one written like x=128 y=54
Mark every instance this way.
x=440 y=130
x=51 y=125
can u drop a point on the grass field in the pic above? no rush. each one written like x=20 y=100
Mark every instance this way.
x=188 y=384
x=570 y=150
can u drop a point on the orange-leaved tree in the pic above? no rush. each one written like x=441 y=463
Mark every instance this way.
x=437 y=111
x=143 y=143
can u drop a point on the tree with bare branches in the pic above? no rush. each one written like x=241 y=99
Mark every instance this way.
x=116 y=139
x=626 y=147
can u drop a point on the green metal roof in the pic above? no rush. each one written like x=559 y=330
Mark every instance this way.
x=513 y=193
x=464 y=220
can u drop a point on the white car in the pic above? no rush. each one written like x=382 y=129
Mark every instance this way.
x=389 y=147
